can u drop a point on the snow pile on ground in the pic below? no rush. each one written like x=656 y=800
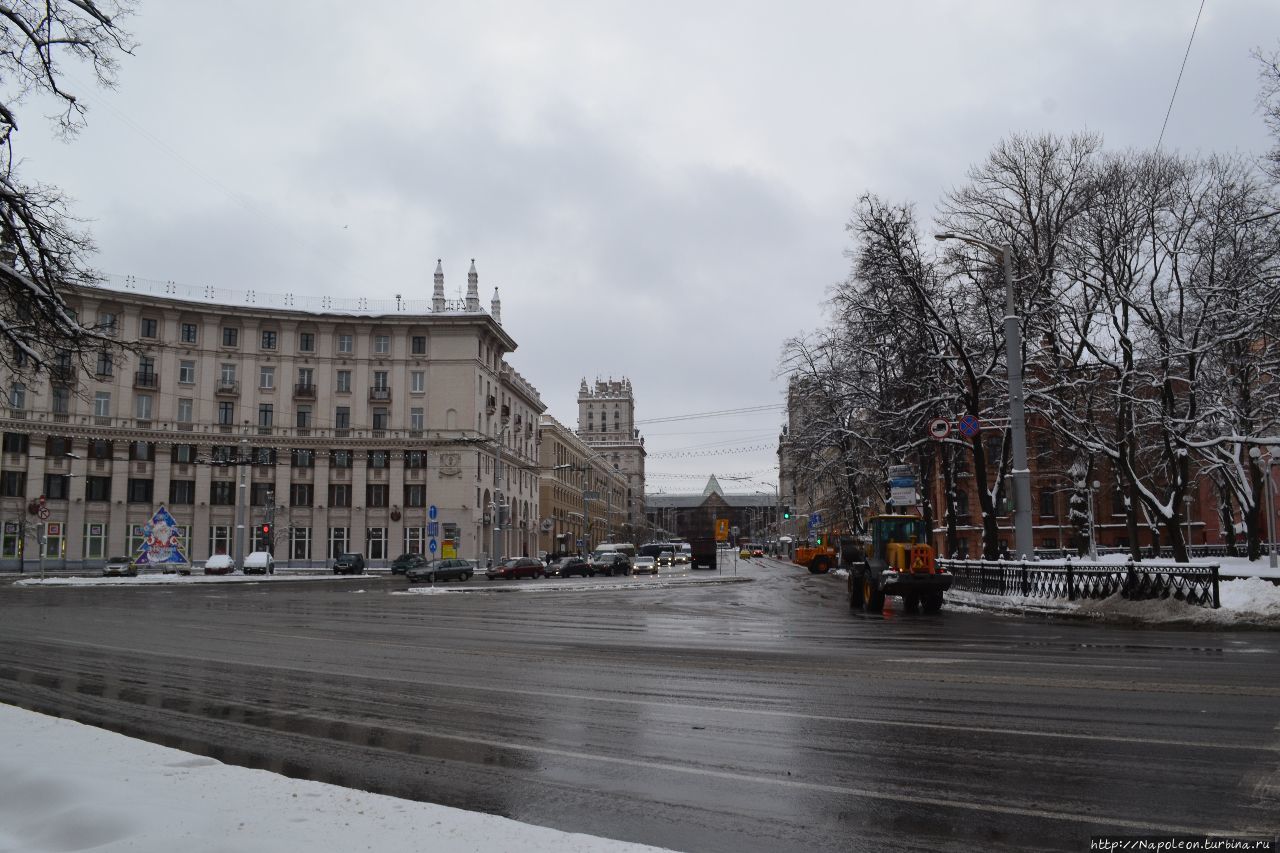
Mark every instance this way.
x=1246 y=602
x=162 y=579
x=66 y=786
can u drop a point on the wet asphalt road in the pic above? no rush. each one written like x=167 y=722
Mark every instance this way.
x=760 y=716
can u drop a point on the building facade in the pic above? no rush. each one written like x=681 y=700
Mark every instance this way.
x=607 y=423
x=582 y=496
x=343 y=428
x=756 y=517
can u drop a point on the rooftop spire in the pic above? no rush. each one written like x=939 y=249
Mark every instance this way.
x=473 y=288
x=437 y=295
x=495 y=307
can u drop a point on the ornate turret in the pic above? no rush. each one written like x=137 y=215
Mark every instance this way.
x=437 y=295
x=473 y=288
x=495 y=308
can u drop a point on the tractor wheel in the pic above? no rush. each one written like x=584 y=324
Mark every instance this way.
x=855 y=591
x=872 y=597
x=932 y=602
x=819 y=566
x=910 y=603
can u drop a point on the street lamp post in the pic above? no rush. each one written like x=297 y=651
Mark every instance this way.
x=1093 y=531
x=1256 y=454
x=241 y=501
x=1023 y=541
x=497 y=491
x=1186 y=515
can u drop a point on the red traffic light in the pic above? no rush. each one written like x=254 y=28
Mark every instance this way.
x=266 y=528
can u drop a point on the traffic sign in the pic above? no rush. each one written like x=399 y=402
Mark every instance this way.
x=44 y=513
x=939 y=428
x=431 y=512
x=546 y=525
x=433 y=528
x=815 y=519
x=969 y=426
x=431 y=546
x=722 y=530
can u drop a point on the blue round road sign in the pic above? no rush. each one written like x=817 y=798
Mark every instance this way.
x=431 y=512
x=431 y=546
x=969 y=426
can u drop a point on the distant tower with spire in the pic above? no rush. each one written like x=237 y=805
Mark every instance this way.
x=473 y=288
x=437 y=295
x=495 y=308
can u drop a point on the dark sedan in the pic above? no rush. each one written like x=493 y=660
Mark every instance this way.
x=440 y=570
x=402 y=564
x=567 y=567
x=517 y=567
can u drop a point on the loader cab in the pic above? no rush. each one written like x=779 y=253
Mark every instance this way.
x=907 y=529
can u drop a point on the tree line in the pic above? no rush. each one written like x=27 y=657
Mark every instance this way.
x=1145 y=284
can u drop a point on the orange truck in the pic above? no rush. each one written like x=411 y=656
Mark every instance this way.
x=818 y=559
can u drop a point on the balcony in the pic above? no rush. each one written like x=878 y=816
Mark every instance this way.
x=146 y=379
x=304 y=391
x=379 y=395
x=227 y=388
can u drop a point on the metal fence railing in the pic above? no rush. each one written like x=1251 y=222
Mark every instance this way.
x=1196 y=585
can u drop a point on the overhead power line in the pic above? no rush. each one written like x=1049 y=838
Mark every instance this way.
x=746 y=410
x=1178 y=82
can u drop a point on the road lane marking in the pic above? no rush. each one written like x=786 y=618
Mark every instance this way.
x=760 y=712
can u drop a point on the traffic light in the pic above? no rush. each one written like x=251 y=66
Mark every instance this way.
x=819 y=540
x=786 y=512
x=266 y=531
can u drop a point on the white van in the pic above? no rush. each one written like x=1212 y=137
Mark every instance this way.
x=259 y=563
x=620 y=547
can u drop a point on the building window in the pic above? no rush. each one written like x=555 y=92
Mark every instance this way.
x=61 y=400
x=415 y=459
x=263 y=455
x=140 y=491
x=1117 y=502
x=16 y=442
x=268 y=340
x=222 y=493
x=13 y=484
x=306 y=342
x=142 y=451
x=340 y=458
x=188 y=333
x=345 y=344
x=102 y=404
x=101 y=449
x=97 y=489
x=105 y=365
x=415 y=495
x=57 y=487
x=260 y=494
x=142 y=407
x=186 y=408
x=379 y=459
x=376 y=495
x=413 y=539
x=300 y=494
x=342 y=417
x=418 y=344
x=107 y=322
x=186 y=373
x=266 y=378
x=95 y=541
x=417 y=381
x=416 y=419
x=300 y=543
x=219 y=538
x=1047 y=503
x=380 y=419
x=339 y=495
x=303 y=458
x=306 y=378
x=266 y=413
x=227 y=374
x=375 y=539
x=230 y=336
x=182 y=492
x=380 y=380
x=303 y=417
x=226 y=413
x=184 y=454
x=344 y=382
x=381 y=344
x=149 y=327
x=338 y=538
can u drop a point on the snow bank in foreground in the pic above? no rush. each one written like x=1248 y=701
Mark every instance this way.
x=66 y=786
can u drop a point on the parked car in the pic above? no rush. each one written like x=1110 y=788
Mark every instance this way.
x=645 y=566
x=666 y=558
x=611 y=563
x=120 y=567
x=567 y=567
x=349 y=564
x=402 y=564
x=744 y=553
x=757 y=551
x=219 y=564
x=517 y=567
x=259 y=563
x=451 y=569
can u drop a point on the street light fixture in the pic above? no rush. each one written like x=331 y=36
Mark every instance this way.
x=1022 y=532
x=1256 y=454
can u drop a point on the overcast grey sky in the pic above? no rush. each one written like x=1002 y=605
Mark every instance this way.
x=659 y=189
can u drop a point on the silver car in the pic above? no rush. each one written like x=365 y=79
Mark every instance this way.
x=644 y=566
x=120 y=567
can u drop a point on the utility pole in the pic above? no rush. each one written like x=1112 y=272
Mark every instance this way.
x=242 y=501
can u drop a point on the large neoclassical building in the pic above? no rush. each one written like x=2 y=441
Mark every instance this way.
x=342 y=424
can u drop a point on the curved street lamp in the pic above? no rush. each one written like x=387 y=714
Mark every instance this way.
x=1022 y=533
